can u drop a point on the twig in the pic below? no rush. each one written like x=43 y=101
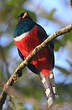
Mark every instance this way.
x=15 y=76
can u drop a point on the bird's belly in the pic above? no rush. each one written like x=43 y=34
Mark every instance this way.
x=42 y=61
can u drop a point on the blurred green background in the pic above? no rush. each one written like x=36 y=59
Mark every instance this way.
x=27 y=93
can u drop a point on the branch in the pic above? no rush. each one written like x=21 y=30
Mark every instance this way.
x=15 y=75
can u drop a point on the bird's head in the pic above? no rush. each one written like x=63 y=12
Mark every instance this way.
x=23 y=16
x=25 y=23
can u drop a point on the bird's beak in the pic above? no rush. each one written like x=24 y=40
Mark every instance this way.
x=25 y=15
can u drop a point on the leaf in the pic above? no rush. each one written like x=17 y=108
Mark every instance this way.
x=58 y=44
x=14 y=2
x=50 y=15
x=69 y=62
x=63 y=70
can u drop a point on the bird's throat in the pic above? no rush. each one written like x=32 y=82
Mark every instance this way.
x=18 y=38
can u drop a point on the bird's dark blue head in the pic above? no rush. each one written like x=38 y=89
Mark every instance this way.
x=25 y=23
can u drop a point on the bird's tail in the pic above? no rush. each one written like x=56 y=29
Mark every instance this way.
x=49 y=86
x=53 y=85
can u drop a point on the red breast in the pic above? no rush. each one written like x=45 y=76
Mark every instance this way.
x=26 y=45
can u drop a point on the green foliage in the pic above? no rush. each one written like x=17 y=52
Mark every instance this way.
x=14 y=2
x=70 y=3
x=32 y=89
x=65 y=91
x=14 y=105
x=50 y=15
x=63 y=70
x=63 y=41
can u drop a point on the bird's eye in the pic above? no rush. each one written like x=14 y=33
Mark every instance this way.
x=19 y=18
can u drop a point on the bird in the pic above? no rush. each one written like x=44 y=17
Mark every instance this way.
x=27 y=35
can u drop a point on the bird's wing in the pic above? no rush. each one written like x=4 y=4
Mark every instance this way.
x=30 y=66
x=42 y=36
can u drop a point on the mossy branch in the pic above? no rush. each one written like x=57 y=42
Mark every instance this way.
x=15 y=76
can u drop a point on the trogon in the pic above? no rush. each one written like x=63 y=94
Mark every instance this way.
x=27 y=35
